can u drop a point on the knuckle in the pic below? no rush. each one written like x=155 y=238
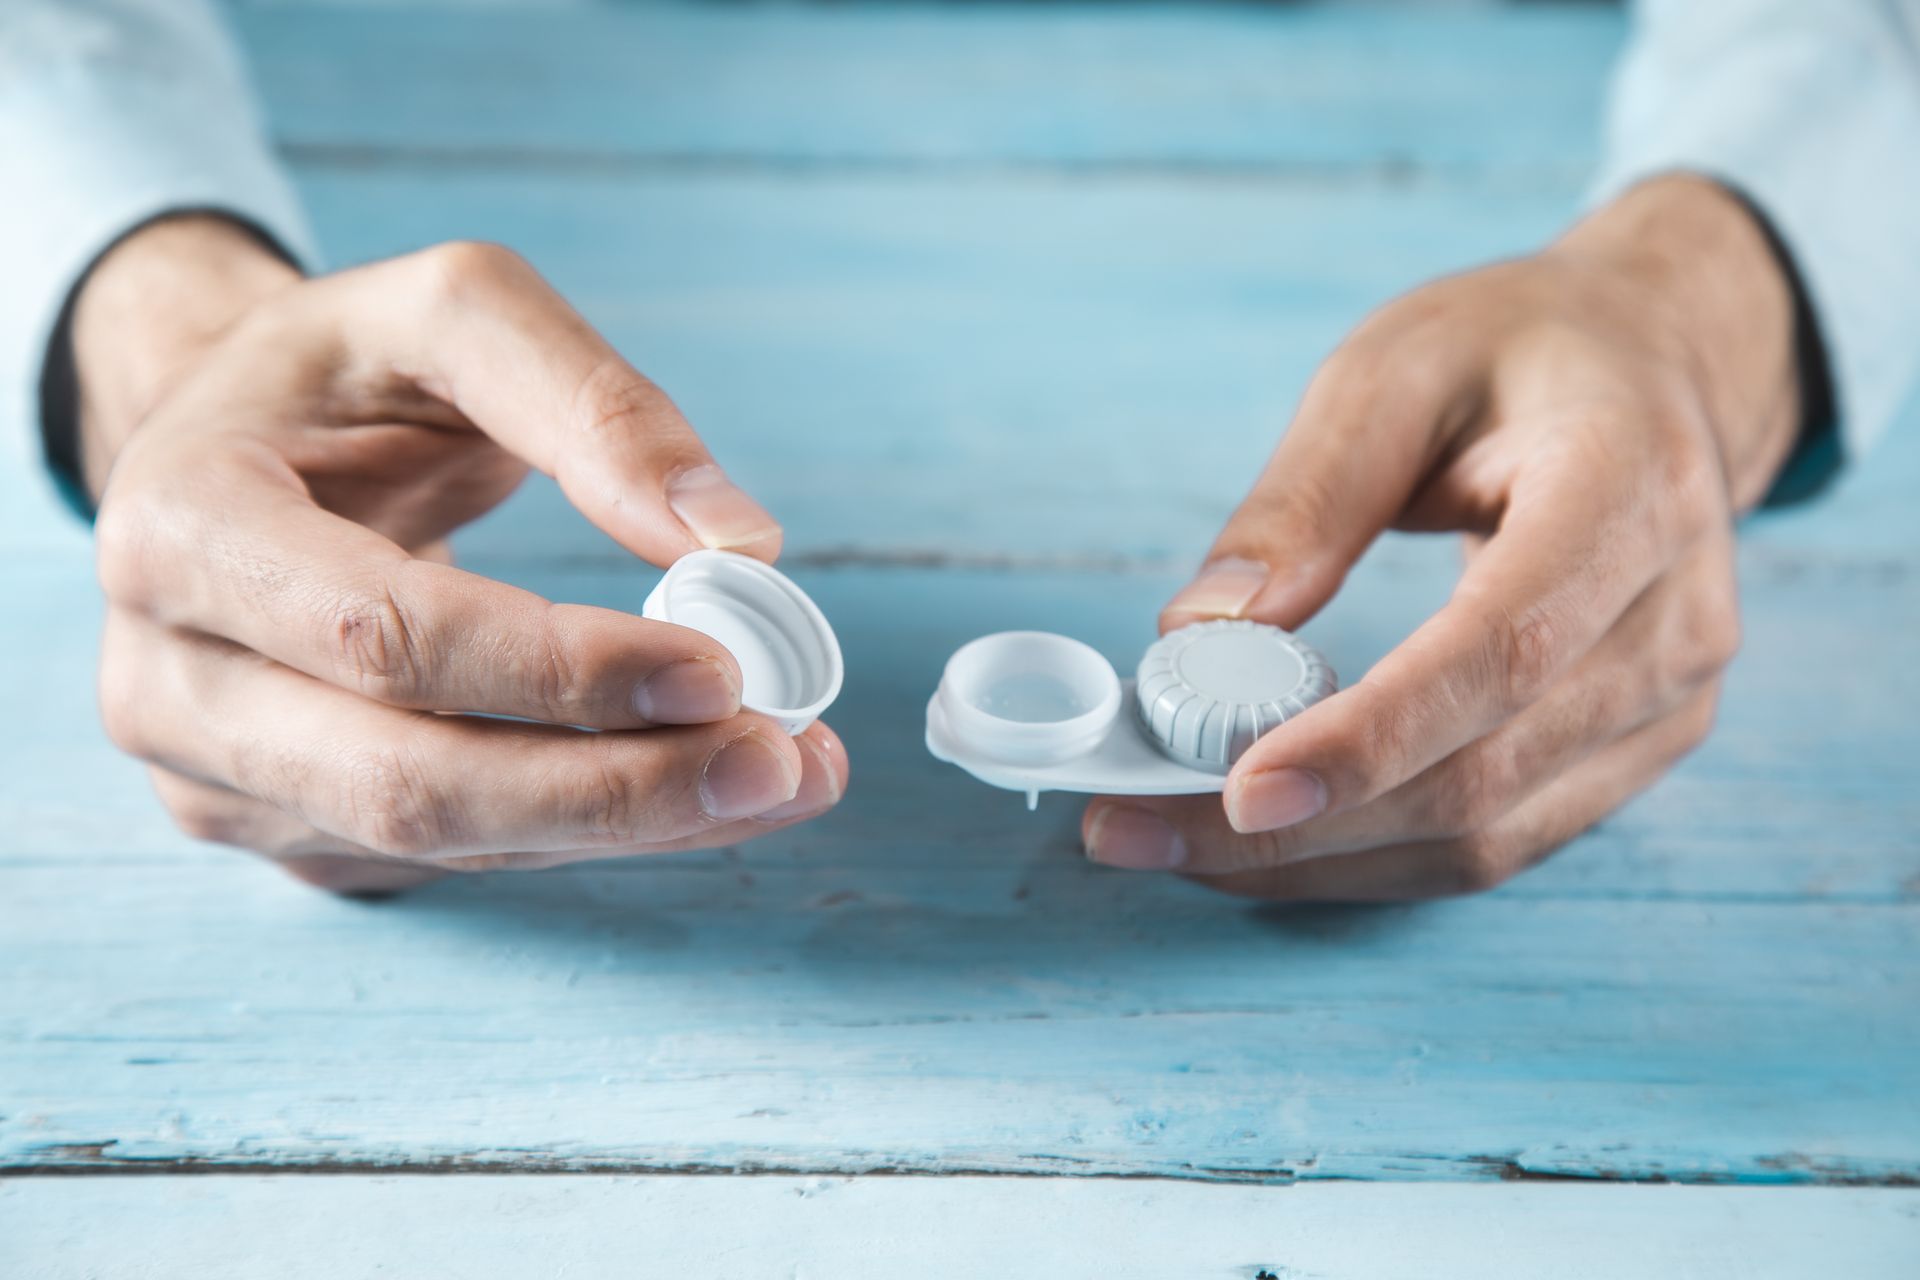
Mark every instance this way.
x=392 y=806
x=123 y=699
x=277 y=323
x=1256 y=851
x=1388 y=732
x=1475 y=864
x=564 y=680
x=126 y=532
x=1692 y=487
x=1524 y=655
x=1720 y=628
x=377 y=645
x=1350 y=367
x=1473 y=791
x=460 y=269
x=611 y=806
x=1407 y=348
x=1724 y=640
x=1706 y=651
x=330 y=874
x=337 y=873
x=1710 y=639
x=204 y=819
x=120 y=713
x=1699 y=722
x=615 y=404
x=1302 y=512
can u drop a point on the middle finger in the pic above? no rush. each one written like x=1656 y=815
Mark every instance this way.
x=414 y=784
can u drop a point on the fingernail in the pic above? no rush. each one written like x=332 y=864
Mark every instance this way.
x=1222 y=589
x=746 y=776
x=819 y=787
x=1123 y=836
x=1275 y=798
x=718 y=512
x=691 y=691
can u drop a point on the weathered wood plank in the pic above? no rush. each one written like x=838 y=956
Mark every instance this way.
x=1093 y=368
x=1232 y=89
x=1715 y=986
x=883 y=1228
x=1013 y=1013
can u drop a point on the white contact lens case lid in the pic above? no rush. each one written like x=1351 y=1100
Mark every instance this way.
x=790 y=663
x=1031 y=711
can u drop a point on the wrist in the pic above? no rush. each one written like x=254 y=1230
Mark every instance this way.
x=1716 y=290
x=148 y=308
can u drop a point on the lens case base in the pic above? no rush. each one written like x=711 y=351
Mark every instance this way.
x=1031 y=711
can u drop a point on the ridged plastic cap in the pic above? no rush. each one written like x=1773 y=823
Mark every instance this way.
x=789 y=658
x=1206 y=692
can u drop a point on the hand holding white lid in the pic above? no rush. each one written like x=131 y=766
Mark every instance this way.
x=286 y=640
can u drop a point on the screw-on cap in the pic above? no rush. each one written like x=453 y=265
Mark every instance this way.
x=1207 y=691
x=790 y=664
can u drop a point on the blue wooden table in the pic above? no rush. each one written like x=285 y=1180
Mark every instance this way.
x=997 y=307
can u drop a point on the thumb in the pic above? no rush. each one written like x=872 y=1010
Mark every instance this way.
x=1346 y=468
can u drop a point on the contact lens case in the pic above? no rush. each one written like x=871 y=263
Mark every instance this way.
x=1032 y=711
x=790 y=663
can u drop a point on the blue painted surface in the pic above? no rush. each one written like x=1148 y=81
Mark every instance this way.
x=490 y=1227
x=1182 y=87
x=986 y=394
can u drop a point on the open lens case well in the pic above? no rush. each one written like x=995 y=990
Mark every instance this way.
x=1032 y=711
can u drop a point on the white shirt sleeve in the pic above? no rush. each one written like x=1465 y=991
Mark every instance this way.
x=1811 y=109
x=111 y=112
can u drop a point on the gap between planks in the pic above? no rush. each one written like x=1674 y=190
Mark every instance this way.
x=1392 y=173
x=91 y=1160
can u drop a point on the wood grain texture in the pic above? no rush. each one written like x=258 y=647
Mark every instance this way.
x=1190 y=89
x=484 y=1228
x=930 y=979
x=1093 y=369
x=1018 y=384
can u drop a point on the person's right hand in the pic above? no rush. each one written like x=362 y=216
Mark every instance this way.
x=284 y=634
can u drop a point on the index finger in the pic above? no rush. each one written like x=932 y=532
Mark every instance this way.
x=1572 y=552
x=475 y=326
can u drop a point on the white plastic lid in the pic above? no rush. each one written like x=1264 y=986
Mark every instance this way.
x=790 y=663
x=1206 y=692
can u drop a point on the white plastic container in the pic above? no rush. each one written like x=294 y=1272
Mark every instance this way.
x=1031 y=711
x=1029 y=697
x=790 y=663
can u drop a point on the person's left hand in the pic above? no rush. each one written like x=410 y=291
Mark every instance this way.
x=1591 y=419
